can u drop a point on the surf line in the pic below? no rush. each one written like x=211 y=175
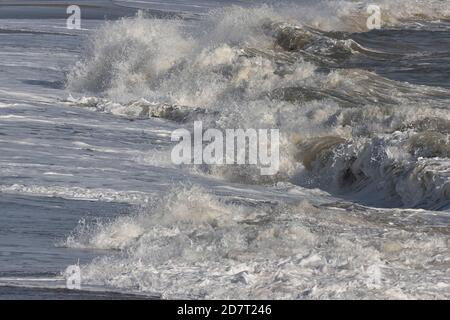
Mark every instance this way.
x=188 y=310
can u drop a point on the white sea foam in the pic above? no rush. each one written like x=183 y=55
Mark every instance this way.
x=79 y=193
x=192 y=244
x=232 y=76
x=351 y=132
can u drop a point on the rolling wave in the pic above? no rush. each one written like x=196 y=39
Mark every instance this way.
x=351 y=127
x=347 y=129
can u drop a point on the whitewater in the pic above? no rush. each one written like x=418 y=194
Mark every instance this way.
x=360 y=206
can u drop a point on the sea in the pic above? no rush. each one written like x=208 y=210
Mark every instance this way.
x=92 y=205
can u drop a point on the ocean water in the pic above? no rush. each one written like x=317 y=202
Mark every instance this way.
x=360 y=208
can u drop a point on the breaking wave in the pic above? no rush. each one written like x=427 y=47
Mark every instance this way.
x=346 y=130
x=192 y=244
x=355 y=133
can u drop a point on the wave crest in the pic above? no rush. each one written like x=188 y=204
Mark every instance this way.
x=255 y=68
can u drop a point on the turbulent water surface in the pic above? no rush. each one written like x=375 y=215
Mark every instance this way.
x=359 y=208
